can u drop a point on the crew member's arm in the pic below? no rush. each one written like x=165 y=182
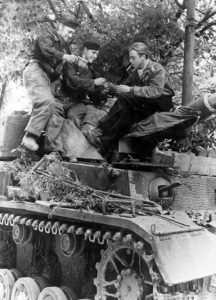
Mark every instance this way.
x=75 y=80
x=48 y=50
x=152 y=91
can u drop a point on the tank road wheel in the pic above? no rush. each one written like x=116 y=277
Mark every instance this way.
x=69 y=292
x=22 y=234
x=41 y=282
x=16 y=273
x=52 y=293
x=7 y=281
x=25 y=288
x=70 y=244
x=123 y=273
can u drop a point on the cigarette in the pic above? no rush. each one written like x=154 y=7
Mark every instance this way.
x=130 y=67
x=83 y=59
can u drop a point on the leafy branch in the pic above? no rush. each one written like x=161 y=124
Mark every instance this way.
x=63 y=189
x=70 y=11
x=208 y=26
x=181 y=7
x=56 y=14
x=208 y=14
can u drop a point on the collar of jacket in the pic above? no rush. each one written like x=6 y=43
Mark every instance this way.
x=90 y=65
x=149 y=68
x=56 y=36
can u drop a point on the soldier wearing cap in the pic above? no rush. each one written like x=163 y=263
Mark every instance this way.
x=51 y=50
x=146 y=91
x=85 y=88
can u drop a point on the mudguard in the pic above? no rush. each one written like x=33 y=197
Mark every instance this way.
x=183 y=257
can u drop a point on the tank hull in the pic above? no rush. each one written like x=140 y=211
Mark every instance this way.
x=170 y=247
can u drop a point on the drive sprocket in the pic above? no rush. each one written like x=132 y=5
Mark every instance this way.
x=123 y=273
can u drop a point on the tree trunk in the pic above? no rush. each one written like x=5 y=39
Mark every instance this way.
x=187 y=84
x=2 y=94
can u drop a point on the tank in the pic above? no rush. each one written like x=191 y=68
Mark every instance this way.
x=129 y=231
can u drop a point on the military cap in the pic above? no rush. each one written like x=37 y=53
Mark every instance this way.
x=91 y=44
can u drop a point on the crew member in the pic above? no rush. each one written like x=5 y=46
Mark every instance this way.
x=50 y=52
x=85 y=89
x=146 y=91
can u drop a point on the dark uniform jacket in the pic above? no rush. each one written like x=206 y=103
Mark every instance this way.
x=78 y=84
x=48 y=51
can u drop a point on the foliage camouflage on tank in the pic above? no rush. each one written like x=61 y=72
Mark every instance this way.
x=84 y=240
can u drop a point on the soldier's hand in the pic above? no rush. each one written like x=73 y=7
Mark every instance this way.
x=72 y=58
x=82 y=64
x=99 y=81
x=122 y=89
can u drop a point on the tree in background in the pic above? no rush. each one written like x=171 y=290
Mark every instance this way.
x=158 y=23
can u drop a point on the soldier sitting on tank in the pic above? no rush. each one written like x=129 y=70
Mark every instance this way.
x=85 y=89
x=51 y=50
x=147 y=90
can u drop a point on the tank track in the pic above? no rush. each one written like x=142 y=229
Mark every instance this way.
x=111 y=243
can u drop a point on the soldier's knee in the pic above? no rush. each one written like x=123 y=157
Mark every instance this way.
x=70 y=114
x=49 y=105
